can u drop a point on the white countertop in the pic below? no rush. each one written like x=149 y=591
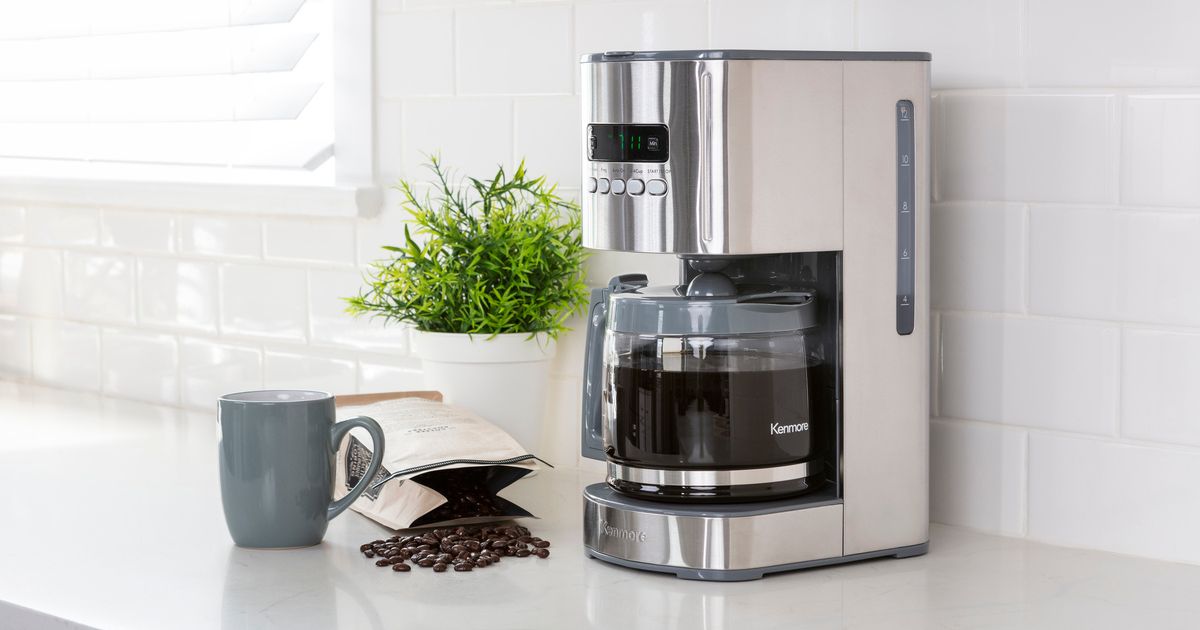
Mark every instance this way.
x=111 y=519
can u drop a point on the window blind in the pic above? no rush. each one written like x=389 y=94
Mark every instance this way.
x=222 y=84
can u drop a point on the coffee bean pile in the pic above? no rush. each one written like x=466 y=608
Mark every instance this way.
x=463 y=548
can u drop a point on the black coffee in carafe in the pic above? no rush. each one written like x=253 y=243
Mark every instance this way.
x=721 y=412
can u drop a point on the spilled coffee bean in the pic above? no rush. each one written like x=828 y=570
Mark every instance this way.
x=461 y=548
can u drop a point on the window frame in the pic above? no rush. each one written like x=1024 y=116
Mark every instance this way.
x=354 y=192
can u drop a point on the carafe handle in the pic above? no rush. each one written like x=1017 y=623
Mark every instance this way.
x=592 y=438
x=593 y=364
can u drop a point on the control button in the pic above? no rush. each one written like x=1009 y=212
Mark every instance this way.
x=591 y=184
x=636 y=186
x=603 y=185
x=656 y=187
x=618 y=186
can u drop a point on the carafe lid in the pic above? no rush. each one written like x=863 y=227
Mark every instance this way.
x=668 y=310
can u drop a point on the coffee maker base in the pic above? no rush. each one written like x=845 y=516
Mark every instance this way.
x=733 y=543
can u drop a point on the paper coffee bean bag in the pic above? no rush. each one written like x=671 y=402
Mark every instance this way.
x=443 y=465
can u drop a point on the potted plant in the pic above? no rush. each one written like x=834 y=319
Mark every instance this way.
x=488 y=280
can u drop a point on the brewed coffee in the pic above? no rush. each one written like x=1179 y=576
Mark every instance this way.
x=727 y=411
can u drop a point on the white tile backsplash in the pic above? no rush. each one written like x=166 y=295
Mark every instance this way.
x=414 y=54
x=331 y=325
x=209 y=370
x=547 y=136
x=1160 y=396
x=377 y=376
x=1113 y=43
x=641 y=25
x=1119 y=265
x=977 y=476
x=313 y=241
x=16 y=343
x=66 y=354
x=177 y=293
x=524 y=49
x=1031 y=372
x=221 y=236
x=31 y=281
x=99 y=288
x=1066 y=147
x=264 y=301
x=143 y=366
x=138 y=231
x=1118 y=497
x=974 y=44
x=977 y=256
x=1162 y=150
x=996 y=147
x=12 y=223
x=782 y=24
x=62 y=226
x=286 y=370
x=473 y=135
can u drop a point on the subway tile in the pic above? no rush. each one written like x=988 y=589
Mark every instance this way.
x=376 y=376
x=782 y=24
x=285 y=370
x=1162 y=151
x=138 y=231
x=62 y=226
x=12 y=224
x=1120 y=265
x=657 y=25
x=264 y=301
x=1072 y=261
x=221 y=236
x=177 y=293
x=140 y=365
x=1113 y=43
x=548 y=137
x=210 y=370
x=473 y=135
x=1039 y=373
x=995 y=147
x=15 y=345
x=330 y=324
x=1123 y=498
x=977 y=256
x=1159 y=397
x=523 y=49
x=375 y=233
x=389 y=148
x=974 y=44
x=977 y=476
x=31 y=281
x=99 y=288
x=414 y=54
x=66 y=354
x=314 y=241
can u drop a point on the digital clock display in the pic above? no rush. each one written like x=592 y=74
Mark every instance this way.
x=627 y=143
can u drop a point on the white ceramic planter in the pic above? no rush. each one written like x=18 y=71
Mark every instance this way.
x=503 y=379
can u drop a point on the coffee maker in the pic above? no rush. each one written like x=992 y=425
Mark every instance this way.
x=770 y=410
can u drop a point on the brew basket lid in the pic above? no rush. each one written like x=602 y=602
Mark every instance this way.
x=667 y=310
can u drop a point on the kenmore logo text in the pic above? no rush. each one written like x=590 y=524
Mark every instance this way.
x=622 y=534
x=780 y=429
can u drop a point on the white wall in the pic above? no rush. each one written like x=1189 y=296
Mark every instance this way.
x=1066 y=237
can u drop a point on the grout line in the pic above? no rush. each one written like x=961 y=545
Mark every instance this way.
x=1177 y=447
x=1027 y=258
x=1025 y=489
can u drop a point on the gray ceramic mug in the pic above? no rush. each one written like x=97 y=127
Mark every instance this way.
x=277 y=454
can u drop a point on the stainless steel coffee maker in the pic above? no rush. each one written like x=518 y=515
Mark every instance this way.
x=769 y=411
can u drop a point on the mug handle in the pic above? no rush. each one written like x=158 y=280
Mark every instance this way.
x=338 y=432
